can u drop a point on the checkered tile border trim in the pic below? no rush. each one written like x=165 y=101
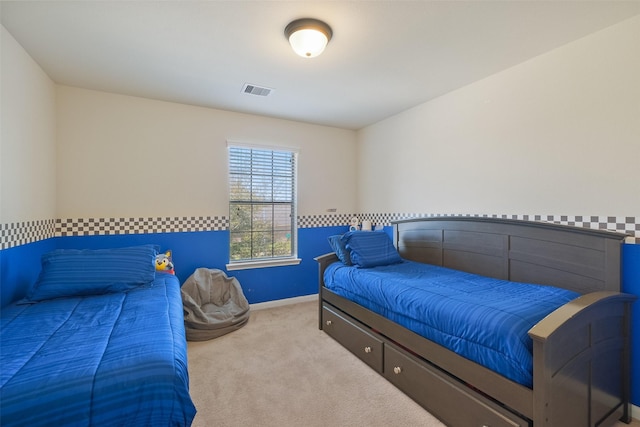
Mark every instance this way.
x=114 y=226
x=20 y=233
x=330 y=220
x=16 y=234
x=626 y=225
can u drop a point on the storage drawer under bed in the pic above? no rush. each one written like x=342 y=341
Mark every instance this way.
x=353 y=336
x=438 y=393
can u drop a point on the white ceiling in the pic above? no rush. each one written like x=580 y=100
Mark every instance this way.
x=385 y=56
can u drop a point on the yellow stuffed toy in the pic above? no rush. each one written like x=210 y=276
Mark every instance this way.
x=164 y=263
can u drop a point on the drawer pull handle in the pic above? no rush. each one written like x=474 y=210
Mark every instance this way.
x=328 y=322
x=397 y=370
x=367 y=349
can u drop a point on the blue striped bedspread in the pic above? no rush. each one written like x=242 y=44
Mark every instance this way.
x=108 y=360
x=483 y=319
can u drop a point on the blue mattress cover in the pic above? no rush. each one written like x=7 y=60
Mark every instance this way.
x=482 y=319
x=113 y=359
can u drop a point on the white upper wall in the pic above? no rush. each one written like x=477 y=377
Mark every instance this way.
x=122 y=156
x=555 y=135
x=558 y=134
x=27 y=138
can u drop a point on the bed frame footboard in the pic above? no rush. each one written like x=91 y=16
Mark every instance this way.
x=581 y=362
x=323 y=262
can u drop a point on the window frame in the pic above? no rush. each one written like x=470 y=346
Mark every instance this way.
x=272 y=261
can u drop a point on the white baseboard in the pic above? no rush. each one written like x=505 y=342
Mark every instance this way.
x=635 y=412
x=281 y=302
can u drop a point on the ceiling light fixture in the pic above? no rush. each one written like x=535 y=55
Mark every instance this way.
x=308 y=37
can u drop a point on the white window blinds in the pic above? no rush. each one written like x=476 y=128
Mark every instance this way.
x=262 y=203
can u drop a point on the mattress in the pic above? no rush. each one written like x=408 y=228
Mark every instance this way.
x=112 y=359
x=483 y=319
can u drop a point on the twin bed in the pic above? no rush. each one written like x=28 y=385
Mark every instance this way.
x=100 y=340
x=487 y=321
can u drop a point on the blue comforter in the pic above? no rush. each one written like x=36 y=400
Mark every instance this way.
x=482 y=319
x=106 y=360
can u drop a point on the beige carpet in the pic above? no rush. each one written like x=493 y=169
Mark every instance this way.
x=281 y=370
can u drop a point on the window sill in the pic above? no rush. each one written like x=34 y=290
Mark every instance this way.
x=262 y=264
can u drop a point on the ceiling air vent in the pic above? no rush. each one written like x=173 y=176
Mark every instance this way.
x=256 y=90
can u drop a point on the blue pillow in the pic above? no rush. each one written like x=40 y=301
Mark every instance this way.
x=340 y=249
x=371 y=248
x=80 y=272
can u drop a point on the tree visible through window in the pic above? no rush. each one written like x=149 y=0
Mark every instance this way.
x=262 y=210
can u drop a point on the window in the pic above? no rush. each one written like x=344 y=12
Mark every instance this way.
x=262 y=207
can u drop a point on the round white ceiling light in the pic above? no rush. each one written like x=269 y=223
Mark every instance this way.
x=308 y=37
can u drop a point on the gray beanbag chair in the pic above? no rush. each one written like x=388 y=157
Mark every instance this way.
x=214 y=305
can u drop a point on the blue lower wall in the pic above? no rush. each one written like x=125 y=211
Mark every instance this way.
x=631 y=284
x=20 y=266
x=211 y=250
x=19 y=269
x=191 y=250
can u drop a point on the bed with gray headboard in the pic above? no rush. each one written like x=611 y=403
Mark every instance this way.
x=581 y=351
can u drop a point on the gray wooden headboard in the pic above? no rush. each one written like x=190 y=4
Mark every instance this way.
x=579 y=259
